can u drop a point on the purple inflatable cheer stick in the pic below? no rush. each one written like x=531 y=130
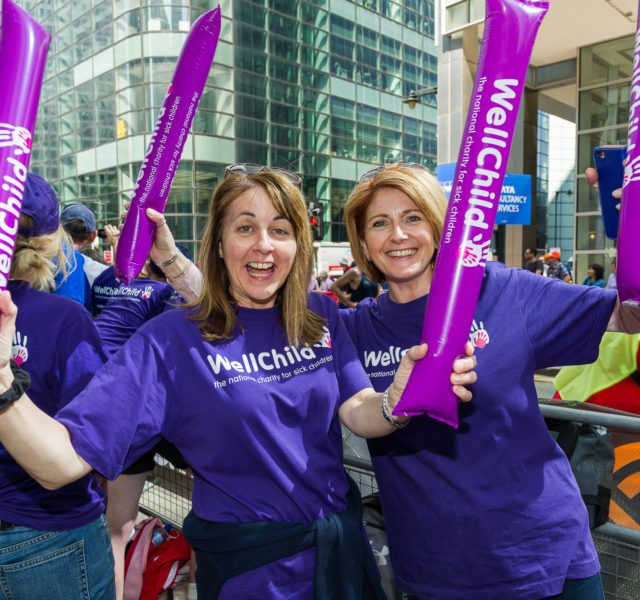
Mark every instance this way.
x=628 y=269
x=510 y=31
x=167 y=141
x=23 y=52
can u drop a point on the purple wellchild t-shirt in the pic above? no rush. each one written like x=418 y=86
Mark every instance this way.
x=121 y=309
x=255 y=418
x=58 y=345
x=491 y=510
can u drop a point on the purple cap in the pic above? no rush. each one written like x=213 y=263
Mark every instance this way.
x=41 y=204
x=79 y=212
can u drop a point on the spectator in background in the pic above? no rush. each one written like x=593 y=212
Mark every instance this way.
x=325 y=281
x=556 y=269
x=595 y=276
x=612 y=283
x=79 y=221
x=354 y=286
x=532 y=262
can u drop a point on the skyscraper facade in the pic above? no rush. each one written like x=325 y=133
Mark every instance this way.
x=314 y=86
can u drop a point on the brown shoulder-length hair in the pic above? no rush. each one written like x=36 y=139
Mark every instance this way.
x=214 y=306
x=423 y=189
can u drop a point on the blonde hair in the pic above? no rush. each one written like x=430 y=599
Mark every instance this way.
x=214 y=309
x=423 y=189
x=39 y=259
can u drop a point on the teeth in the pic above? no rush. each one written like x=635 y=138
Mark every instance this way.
x=401 y=252
x=261 y=266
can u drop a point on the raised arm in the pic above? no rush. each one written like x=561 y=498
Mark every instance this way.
x=343 y=281
x=182 y=274
x=37 y=442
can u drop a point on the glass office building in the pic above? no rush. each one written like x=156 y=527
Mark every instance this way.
x=604 y=75
x=314 y=86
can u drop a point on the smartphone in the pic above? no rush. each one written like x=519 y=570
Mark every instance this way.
x=609 y=164
x=102 y=234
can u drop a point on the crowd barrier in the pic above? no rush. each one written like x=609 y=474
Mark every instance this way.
x=167 y=493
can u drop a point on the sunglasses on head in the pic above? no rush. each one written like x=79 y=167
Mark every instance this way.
x=369 y=175
x=248 y=168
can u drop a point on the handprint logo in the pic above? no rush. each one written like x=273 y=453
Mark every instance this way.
x=146 y=294
x=15 y=136
x=19 y=351
x=325 y=340
x=381 y=555
x=474 y=253
x=478 y=335
x=631 y=171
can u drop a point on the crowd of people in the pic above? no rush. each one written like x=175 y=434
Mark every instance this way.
x=550 y=265
x=245 y=376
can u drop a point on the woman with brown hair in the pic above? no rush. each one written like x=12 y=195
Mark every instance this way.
x=250 y=383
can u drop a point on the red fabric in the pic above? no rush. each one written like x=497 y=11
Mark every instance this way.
x=160 y=562
x=332 y=296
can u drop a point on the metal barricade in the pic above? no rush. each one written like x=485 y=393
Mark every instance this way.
x=167 y=494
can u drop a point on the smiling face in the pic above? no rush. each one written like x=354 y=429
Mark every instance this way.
x=400 y=242
x=258 y=249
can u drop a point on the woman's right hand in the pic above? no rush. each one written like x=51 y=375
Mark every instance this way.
x=164 y=245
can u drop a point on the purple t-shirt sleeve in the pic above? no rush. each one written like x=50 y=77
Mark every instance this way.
x=120 y=414
x=79 y=357
x=349 y=370
x=564 y=322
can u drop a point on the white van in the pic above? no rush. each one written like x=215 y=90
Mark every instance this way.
x=331 y=256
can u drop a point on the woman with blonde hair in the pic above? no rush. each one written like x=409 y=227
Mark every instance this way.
x=53 y=544
x=491 y=510
x=250 y=383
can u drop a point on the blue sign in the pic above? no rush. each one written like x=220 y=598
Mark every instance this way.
x=515 y=200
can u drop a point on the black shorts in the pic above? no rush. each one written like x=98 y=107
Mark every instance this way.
x=146 y=462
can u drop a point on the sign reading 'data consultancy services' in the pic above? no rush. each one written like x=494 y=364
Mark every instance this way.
x=515 y=200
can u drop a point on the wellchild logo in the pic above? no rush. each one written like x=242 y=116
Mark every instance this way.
x=146 y=294
x=263 y=361
x=19 y=351
x=382 y=358
x=476 y=254
x=478 y=335
x=19 y=137
x=631 y=171
x=325 y=340
x=12 y=189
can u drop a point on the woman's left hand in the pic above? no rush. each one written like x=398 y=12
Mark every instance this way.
x=464 y=373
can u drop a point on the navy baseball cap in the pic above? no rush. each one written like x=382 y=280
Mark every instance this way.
x=41 y=204
x=79 y=212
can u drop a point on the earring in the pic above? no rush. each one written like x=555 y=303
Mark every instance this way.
x=220 y=251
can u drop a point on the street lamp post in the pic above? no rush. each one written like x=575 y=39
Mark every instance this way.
x=415 y=95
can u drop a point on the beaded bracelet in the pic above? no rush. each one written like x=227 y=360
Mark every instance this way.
x=386 y=413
